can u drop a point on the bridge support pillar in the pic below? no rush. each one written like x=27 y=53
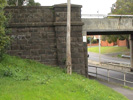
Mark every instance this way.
x=131 y=50
x=84 y=33
x=77 y=46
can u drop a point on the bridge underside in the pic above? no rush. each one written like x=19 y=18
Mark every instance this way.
x=108 y=32
x=117 y=33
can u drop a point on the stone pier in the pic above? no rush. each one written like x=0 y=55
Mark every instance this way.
x=131 y=50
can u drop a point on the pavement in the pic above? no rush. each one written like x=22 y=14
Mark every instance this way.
x=116 y=87
x=93 y=58
x=124 y=91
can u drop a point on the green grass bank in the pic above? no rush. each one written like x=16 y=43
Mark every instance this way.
x=29 y=80
x=106 y=50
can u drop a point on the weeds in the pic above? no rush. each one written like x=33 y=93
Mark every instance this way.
x=30 y=80
x=16 y=73
x=44 y=80
x=7 y=72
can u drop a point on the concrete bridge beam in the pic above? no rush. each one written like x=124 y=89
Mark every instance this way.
x=131 y=49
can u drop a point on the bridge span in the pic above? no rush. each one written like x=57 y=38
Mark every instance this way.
x=110 y=26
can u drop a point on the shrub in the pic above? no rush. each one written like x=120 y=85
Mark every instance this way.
x=4 y=39
x=94 y=41
x=7 y=72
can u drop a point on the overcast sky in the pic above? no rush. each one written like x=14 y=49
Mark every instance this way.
x=88 y=6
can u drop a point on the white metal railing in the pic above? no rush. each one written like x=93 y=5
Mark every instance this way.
x=108 y=74
x=93 y=15
x=104 y=15
x=119 y=15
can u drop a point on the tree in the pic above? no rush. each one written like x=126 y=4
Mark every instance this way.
x=14 y=2
x=124 y=7
x=23 y=2
x=110 y=38
x=4 y=39
x=113 y=38
x=33 y=3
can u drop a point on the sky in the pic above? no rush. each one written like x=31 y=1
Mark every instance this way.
x=88 y=6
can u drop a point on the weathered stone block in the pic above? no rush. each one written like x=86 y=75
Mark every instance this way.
x=37 y=58
x=15 y=47
x=42 y=51
x=34 y=52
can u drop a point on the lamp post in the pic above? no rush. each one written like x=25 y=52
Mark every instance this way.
x=68 y=39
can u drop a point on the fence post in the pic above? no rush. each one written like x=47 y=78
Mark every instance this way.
x=108 y=74
x=96 y=72
x=124 y=79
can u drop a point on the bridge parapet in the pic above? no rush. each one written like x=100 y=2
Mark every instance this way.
x=108 y=24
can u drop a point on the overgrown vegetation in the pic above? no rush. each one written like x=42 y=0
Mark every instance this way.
x=30 y=80
x=124 y=7
x=23 y=3
x=121 y=7
x=4 y=39
x=92 y=40
x=114 y=38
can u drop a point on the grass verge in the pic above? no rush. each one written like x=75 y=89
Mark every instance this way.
x=106 y=50
x=29 y=80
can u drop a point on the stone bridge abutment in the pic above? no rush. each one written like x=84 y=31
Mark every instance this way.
x=39 y=33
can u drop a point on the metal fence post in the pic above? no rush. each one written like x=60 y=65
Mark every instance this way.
x=96 y=72
x=108 y=74
x=124 y=79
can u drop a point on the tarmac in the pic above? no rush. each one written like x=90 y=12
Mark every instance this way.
x=116 y=87
x=120 y=89
x=124 y=91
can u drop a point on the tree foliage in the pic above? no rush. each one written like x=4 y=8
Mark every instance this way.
x=4 y=39
x=33 y=3
x=22 y=2
x=124 y=7
x=110 y=38
x=14 y=2
x=113 y=38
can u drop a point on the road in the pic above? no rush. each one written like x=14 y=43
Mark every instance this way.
x=105 y=58
x=129 y=77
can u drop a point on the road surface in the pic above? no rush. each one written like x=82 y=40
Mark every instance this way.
x=105 y=58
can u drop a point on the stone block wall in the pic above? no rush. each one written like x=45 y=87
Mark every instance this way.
x=33 y=33
x=39 y=33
